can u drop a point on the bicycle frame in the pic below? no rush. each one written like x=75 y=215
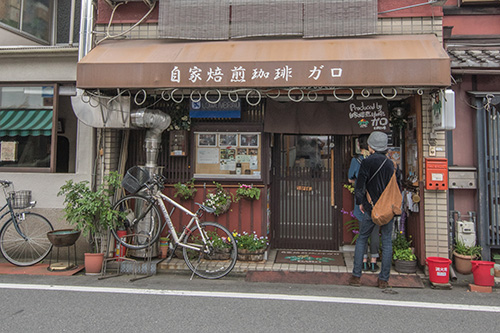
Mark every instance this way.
x=194 y=220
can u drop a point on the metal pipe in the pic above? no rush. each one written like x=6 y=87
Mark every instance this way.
x=156 y=122
x=86 y=21
x=72 y=23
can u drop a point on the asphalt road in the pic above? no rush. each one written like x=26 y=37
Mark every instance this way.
x=174 y=303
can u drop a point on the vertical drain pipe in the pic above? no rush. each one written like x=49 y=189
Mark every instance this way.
x=156 y=122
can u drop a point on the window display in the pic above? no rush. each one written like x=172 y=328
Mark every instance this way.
x=228 y=154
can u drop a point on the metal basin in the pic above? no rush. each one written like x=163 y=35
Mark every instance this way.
x=63 y=237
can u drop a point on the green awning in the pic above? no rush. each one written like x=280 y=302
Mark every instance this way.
x=25 y=122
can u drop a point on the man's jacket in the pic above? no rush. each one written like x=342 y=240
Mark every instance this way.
x=377 y=184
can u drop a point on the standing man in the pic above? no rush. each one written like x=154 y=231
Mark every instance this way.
x=352 y=174
x=374 y=175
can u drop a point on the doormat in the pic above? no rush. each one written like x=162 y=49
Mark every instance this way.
x=310 y=257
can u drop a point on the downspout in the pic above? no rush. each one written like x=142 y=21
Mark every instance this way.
x=71 y=23
x=86 y=21
x=156 y=122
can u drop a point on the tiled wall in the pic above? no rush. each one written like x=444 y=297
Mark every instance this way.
x=436 y=202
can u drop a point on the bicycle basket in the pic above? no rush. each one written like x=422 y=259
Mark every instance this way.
x=134 y=179
x=20 y=199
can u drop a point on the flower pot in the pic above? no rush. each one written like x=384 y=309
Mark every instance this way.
x=221 y=254
x=404 y=266
x=93 y=263
x=463 y=263
x=246 y=255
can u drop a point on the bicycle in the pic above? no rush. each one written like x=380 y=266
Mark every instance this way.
x=209 y=249
x=23 y=237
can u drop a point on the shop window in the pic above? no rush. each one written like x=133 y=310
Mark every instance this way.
x=33 y=17
x=228 y=155
x=28 y=131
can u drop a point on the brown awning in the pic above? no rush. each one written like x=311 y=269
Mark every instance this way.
x=379 y=61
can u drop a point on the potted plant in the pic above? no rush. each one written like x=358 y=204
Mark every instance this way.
x=247 y=192
x=219 y=199
x=405 y=261
x=185 y=191
x=250 y=246
x=91 y=212
x=463 y=255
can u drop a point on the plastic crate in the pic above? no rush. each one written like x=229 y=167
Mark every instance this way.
x=134 y=179
x=20 y=199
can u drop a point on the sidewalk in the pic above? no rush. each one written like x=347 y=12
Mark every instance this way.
x=269 y=271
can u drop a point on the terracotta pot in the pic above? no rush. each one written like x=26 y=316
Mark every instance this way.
x=93 y=263
x=404 y=266
x=462 y=263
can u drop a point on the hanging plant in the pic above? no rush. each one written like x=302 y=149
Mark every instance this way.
x=179 y=113
x=219 y=199
x=185 y=191
x=247 y=192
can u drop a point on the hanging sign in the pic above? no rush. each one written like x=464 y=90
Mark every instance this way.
x=368 y=116
x=224 y=108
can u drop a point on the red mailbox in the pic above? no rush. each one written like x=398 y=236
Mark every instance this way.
x=436 y=173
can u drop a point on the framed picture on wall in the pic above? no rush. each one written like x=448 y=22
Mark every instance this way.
x=207 y=140
x=228 y=139
x=249 y=140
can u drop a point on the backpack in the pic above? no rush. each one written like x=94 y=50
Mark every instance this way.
x=389 y=203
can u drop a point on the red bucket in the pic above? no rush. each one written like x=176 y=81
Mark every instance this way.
x=438 y=269
x=484 y=273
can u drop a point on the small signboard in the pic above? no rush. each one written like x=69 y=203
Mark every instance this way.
x=224 y=108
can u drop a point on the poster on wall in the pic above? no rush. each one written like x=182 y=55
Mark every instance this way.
x=8 y=151
x=228 y=159
x=207 y=156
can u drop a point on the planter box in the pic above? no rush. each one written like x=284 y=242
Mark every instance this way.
x=403 y=266
x=245 y=255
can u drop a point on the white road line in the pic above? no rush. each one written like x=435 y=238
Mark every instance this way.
x=275 y=297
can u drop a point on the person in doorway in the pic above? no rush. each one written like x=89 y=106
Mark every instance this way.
x=373 y=249
x=374 y=176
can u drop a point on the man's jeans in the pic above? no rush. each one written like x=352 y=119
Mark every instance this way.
x=365 y=229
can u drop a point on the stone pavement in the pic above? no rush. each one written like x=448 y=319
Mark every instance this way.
x=290 y=272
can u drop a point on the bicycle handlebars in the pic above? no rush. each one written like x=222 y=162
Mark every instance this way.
x=5 y=183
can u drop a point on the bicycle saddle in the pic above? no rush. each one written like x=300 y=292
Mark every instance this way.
x=206 y=209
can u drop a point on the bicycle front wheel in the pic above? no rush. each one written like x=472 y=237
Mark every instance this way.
x=214 y=259
x=141 y=222
x=30 y=250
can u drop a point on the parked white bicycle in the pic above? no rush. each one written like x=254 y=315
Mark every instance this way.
x=209 y=249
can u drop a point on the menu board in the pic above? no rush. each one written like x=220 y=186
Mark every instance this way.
x=235 y=154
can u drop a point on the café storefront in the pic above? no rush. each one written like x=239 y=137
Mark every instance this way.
x=281 y=114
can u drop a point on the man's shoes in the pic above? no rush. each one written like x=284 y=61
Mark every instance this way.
x=365 y=266
x=355 y=281
x=374 y=267
x=382 y=284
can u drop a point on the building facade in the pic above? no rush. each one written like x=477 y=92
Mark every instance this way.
x=276 y=99
x=474 y=50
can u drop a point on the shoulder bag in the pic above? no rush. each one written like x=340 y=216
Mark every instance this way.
x=389 y=203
